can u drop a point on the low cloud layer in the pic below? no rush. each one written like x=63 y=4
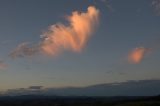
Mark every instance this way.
x=35 y=87
x=137 y=54
x=60 y=37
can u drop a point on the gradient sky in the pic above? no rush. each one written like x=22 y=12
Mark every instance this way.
x=123 y=26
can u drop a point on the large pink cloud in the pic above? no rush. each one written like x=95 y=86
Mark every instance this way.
x=60 y=37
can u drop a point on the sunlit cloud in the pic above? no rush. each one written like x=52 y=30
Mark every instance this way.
x=137 y=55
x=73 y=37
x=60 y=37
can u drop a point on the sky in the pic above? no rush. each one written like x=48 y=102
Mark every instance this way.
x=61 y=43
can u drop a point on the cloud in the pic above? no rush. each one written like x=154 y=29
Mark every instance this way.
x=127 y=88
x=60 y=37
x=35 y=87
x=2 y=65
x=73 y=37
x=137 y=54
x=24 y=50
x=156 y=6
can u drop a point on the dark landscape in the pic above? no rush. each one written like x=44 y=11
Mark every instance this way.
x=31 y=100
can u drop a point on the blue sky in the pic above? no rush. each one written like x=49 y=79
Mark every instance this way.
x=126 y=25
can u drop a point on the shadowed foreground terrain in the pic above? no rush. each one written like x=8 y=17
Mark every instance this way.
x=30 y=100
